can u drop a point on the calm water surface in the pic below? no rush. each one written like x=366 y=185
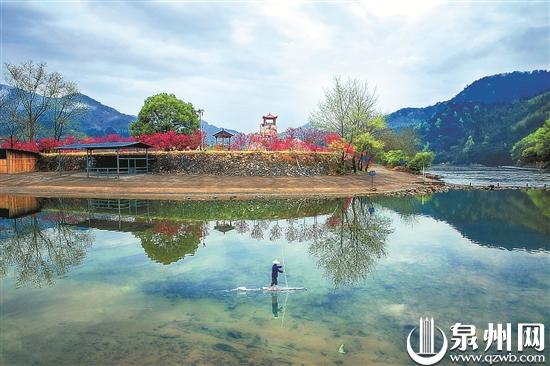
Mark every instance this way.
x=103 y=282
x=484 y=176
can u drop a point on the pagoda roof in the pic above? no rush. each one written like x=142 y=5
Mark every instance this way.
x=269 y=116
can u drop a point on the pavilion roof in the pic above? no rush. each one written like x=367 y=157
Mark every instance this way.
x=223 y=134
x=224 y=227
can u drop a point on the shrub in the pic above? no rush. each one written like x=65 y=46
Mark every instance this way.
x=394 y=157
x=422 y=159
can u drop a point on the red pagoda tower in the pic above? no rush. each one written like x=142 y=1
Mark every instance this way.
x=268 y=128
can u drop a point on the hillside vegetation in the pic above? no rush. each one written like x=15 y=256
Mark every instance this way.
x=483 y=122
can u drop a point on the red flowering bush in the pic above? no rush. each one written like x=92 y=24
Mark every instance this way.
x=313 y=141
x=338 y=144
x=173 y=141
x=295 y=140
x=20 y=145
x=161 y=141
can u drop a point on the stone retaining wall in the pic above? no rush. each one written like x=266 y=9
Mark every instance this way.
x=239 y=163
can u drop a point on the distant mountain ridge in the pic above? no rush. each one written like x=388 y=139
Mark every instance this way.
x=494 y=89
x=101 y=120
x=482 y=122
x=210 y=129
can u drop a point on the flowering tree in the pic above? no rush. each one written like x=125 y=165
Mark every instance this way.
x=173 y=141
x=239 y=142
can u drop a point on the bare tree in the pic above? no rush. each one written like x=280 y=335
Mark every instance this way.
x=347 y=109
x=65 y=108
x=40 y=94
x=34 y=88
x=333 y=112
x=10 y=122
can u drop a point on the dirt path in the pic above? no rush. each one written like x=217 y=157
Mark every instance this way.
x=182 y=187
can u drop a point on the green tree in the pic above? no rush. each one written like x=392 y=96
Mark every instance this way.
x=468 y=146
x=421 y=160
x=405 y=139
x=171 y=241
x=534 y=148
x=394 y=157
x=368 y=146
x=164 y=112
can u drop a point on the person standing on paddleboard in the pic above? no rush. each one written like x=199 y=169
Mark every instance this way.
x=275 y=270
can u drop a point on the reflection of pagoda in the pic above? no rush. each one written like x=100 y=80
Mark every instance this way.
x=268 y=128
x=224 y=226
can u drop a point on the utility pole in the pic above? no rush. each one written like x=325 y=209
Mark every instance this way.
x=201 y=112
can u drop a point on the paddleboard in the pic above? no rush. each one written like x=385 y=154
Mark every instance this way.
x=270 y=289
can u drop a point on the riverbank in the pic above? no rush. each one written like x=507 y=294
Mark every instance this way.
x=182 y=187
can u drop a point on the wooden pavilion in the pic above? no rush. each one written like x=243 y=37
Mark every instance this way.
x=120 y=163
x=17 y=161
x=221 y=137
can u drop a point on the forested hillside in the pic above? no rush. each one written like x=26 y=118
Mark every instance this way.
x=484 y=121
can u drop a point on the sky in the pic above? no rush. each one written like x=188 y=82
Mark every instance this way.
x=239 y=60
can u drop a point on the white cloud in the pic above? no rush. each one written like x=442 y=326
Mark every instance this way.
x=241 y=60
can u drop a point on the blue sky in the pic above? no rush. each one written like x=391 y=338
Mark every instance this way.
x=239 y=60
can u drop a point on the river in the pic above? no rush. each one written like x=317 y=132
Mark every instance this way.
x=484 y=176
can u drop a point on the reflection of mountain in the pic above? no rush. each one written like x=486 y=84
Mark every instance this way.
x=510 y=219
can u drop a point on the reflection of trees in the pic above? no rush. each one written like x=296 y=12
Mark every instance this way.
x=291 y=233
x=241 y=226
x=40 y=248
x=352 y=243
x=257 y=231
x=275 y=232
x=169 y=241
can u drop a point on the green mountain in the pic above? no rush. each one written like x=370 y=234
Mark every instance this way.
x=483 y=122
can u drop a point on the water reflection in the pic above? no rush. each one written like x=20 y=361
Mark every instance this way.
x=353 y=242
x=347 y=237
x=169 y=241
x=507 y=219
x=275 y=306
x=41 y=247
